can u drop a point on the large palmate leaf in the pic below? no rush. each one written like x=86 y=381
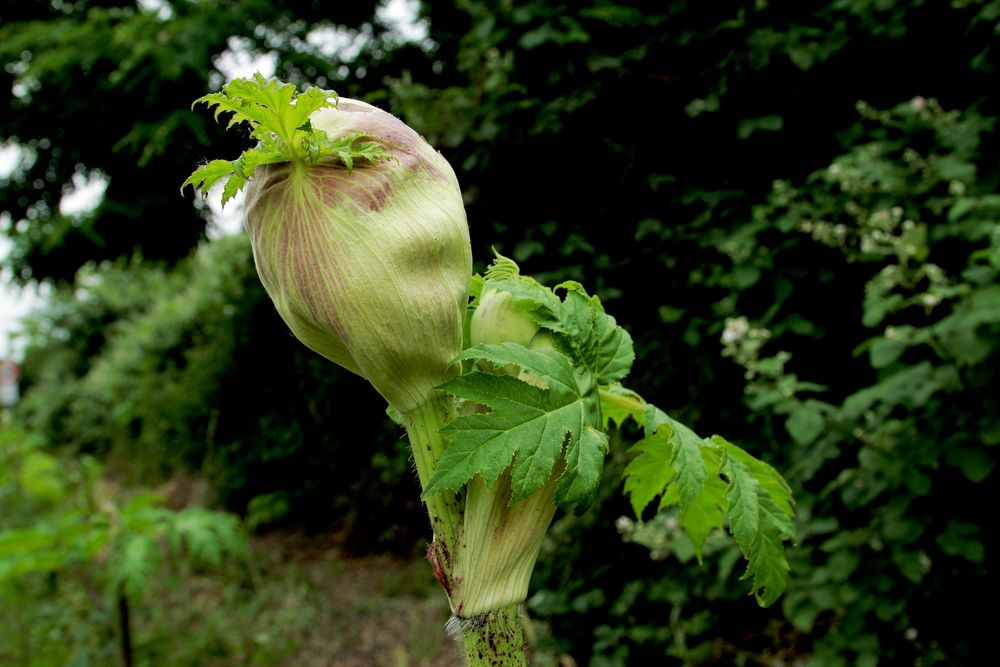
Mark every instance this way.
x=533 y=422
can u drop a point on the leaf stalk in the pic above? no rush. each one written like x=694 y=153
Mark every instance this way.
x=633 y=404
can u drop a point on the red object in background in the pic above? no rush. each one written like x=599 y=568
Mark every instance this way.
x=9 y=375
x=9 y=372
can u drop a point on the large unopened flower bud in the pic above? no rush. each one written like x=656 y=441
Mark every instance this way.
x=368 y=266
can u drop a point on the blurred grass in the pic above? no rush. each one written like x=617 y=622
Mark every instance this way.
x=78 y=545
x=308 y=606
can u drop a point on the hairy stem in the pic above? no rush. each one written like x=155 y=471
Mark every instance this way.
x=494 y=639
x=423 y=425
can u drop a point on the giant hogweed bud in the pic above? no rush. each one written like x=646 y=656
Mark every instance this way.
x=369 y=267
x=359 y=236
x=499 y=317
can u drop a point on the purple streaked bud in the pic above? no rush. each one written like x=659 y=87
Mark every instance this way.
x=369 y=267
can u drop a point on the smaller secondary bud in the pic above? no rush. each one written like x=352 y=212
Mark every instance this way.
x=501 y=319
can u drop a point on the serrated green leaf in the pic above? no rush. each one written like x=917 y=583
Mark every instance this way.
x=673 y=464
x=766 y=476
x=760 y=526
x=547 y=365
x=586 y=461
x=593 y=337
x=528 y=428
x=707 y=511
x=767 y=564
x=232 y=187
x=207 y=175
x=684 y=470
x=743 y=497
x=648 y=474
x=266 y=105
x=601 y=345
x=670 y=461
x=686 y=454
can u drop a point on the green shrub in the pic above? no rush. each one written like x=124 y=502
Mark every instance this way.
x=159 y=370
x=78 y=558
x=863 y=306
x=893 y=453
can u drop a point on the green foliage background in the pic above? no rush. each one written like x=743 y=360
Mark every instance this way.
x=791 y=206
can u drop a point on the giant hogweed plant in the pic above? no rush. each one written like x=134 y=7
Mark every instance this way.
x=507 y=388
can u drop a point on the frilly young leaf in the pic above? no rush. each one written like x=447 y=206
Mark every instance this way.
x=530 y=426
x=278 y=118
x=268 y=105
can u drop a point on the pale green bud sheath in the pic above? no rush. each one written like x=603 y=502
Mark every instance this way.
x=360 y=238
x=500 y=545
x=368 y=267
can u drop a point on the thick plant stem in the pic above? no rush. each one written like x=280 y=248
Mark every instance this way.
x=423 y=425
x=494 y=639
